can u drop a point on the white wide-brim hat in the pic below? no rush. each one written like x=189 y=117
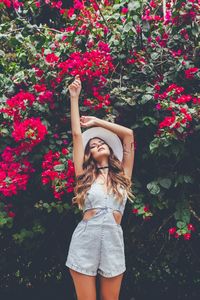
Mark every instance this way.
x=108 y=136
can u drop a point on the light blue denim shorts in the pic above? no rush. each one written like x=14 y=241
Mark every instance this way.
x=97 y=246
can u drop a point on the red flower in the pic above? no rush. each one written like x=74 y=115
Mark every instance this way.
x=65 y=151
x=62 y=180
x=40 y=87
x=187 y=236
x=14 y=175
x=191 y=227
x=146 y=209
x=6 y=2
x=135 y=210
x=172 y=230
x=45 y=97
x=51 y=58
x=11 y=214
x=30 y=129
x=189 y=73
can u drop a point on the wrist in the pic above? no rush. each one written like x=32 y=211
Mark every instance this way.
x=74 y=97
x=97 y=121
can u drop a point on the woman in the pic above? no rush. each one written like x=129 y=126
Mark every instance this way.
x=103 y=161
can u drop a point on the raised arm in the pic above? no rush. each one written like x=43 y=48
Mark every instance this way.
x=78 y=151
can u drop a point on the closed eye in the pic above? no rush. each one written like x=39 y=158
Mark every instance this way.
x=95 y=145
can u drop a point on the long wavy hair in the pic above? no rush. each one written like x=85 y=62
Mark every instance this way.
x=90 y=172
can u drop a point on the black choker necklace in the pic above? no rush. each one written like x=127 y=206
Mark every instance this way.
x=102 y=167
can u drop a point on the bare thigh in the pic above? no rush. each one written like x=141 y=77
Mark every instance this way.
x=110 y=287
x=85 y=285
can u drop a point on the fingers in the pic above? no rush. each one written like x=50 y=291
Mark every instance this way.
x=76 y=83
x=77 y=78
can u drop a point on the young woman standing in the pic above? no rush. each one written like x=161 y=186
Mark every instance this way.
x=103 y=159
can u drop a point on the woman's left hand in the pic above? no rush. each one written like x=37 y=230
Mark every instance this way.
x=88 y=121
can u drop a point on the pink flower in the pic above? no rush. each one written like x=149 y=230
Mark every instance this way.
x=124 y=10
x=158 y=106
x=78 y=5
x=70 y=12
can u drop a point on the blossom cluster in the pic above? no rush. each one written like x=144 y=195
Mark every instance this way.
x=142 y=210
x=185 y=232
x=31 y=130
x=16 y=107
x=88 y=65
x=58 y=170
x=14 y=172
x=183 y=109
x=92 y=66
x=15 y=3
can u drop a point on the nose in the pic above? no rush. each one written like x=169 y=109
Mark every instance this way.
x=100 y=146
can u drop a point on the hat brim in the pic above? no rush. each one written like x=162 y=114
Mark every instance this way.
x=108 y=136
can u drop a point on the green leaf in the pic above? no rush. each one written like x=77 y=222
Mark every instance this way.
x=59 y=209
x=149 y=120
x=155 y=56
x=146 y=98
x=59 y=168
x=188 y=179
x=153 y=188
x=134 y=5
x=165 y=182
x=128 y=26
x=154 y=145
x=180 y=224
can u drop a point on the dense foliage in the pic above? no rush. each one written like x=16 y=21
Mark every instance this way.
x=139 y=62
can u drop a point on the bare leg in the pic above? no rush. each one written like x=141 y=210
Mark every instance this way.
x=85 y=285
x=110 y=287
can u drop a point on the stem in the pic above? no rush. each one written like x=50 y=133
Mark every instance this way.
x=102 y=14
x=164 y=223
x=194 y=214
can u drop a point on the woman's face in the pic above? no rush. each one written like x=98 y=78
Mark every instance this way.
x=99 y=149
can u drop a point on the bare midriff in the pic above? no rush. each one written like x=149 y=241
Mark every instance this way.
x=91 y=212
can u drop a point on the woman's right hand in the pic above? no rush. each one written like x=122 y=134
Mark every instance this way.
x=75 y=87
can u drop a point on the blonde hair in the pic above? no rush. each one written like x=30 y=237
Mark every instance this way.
x=90 y=173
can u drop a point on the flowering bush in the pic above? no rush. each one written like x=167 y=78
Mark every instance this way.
x=59 y=171
x=139 y=65
x=14 y=173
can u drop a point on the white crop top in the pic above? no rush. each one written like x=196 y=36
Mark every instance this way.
x=97 y=198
